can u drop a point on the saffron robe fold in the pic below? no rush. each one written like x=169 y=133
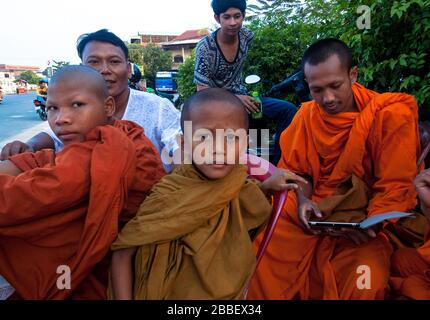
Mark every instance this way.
x=64 y=209
x=411 y=271
x=380 y=145
x=193 y=236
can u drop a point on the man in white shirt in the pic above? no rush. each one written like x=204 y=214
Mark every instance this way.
x=108 y=54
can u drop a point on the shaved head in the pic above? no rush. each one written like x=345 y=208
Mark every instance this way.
x=215 y=124
x=80 y=72
x=322 y=50
x=211 y=95
x=78 y=102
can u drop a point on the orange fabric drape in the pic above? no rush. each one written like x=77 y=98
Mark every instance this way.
x=63 y=210
x=411 y=272
x=380 y=145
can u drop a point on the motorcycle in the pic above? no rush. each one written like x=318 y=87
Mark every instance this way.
x=174 y=98
x=263 y=144
x=136 y=76
x=294 y=84
x=40 y=107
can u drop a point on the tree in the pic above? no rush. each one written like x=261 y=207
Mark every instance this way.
x=186 y=87
x=267 y=8
x=49 y=71
x=155 y=59
x=282 y=32
x=136 y=53
x=393 y=54
x=30 y=77
x=59 y=64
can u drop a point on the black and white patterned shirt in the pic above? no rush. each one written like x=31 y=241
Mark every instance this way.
x=212 y=68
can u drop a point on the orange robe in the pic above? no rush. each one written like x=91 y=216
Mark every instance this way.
x=64 y=210
x=380 y=145
x=411 y=272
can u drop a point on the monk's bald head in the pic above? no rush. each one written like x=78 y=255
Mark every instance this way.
x=77 y=103
x=322 y=50
x=85 y=75
x=211 y=97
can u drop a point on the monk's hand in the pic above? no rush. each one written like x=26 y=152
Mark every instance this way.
x=357 y=236
x=281 y=180
x=249 y=103
x=306 y=208
x=422 y=184
x=13 y=148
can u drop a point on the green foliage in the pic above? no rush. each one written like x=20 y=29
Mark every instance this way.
x=136 y=53
x=274 y=54
x=59 y=64
x=268 y=8
x=186 y=87
x=283 y=30
x=30 y=77
x=393 y=55
x=153 y=59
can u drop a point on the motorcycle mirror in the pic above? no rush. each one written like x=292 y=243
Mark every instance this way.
x=252 y=79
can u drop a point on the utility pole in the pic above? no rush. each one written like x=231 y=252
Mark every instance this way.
x=49 y=69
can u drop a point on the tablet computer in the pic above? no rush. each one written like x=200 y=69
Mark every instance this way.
x=333 y=224
x=366 y=223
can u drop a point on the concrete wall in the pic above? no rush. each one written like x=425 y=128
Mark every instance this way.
x=183 y=52
x=7 y=82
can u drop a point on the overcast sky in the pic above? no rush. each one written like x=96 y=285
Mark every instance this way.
x=35 y=31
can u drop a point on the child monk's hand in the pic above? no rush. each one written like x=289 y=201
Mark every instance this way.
x=281 y=180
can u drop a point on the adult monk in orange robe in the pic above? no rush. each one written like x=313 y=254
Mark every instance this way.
x=410 y=266
x=61 y=212
x=346 y=130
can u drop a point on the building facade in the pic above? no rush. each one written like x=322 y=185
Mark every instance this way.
x=179 y=46
x=182 y=46
x=10 y=73
x=156 y=38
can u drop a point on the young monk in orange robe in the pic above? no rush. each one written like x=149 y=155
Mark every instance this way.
x=410 y=266
x=347 y=130
x=60 y=213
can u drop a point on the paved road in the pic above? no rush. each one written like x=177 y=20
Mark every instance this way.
x=17 y=115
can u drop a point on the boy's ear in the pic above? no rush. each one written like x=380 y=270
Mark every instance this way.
x=217 y=18
x=129 y=70
x=353 y=74
x=110 y=106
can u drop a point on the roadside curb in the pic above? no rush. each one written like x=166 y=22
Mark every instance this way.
x=27 y=134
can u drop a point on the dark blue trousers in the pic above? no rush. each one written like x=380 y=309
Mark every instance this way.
x=282 y=112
